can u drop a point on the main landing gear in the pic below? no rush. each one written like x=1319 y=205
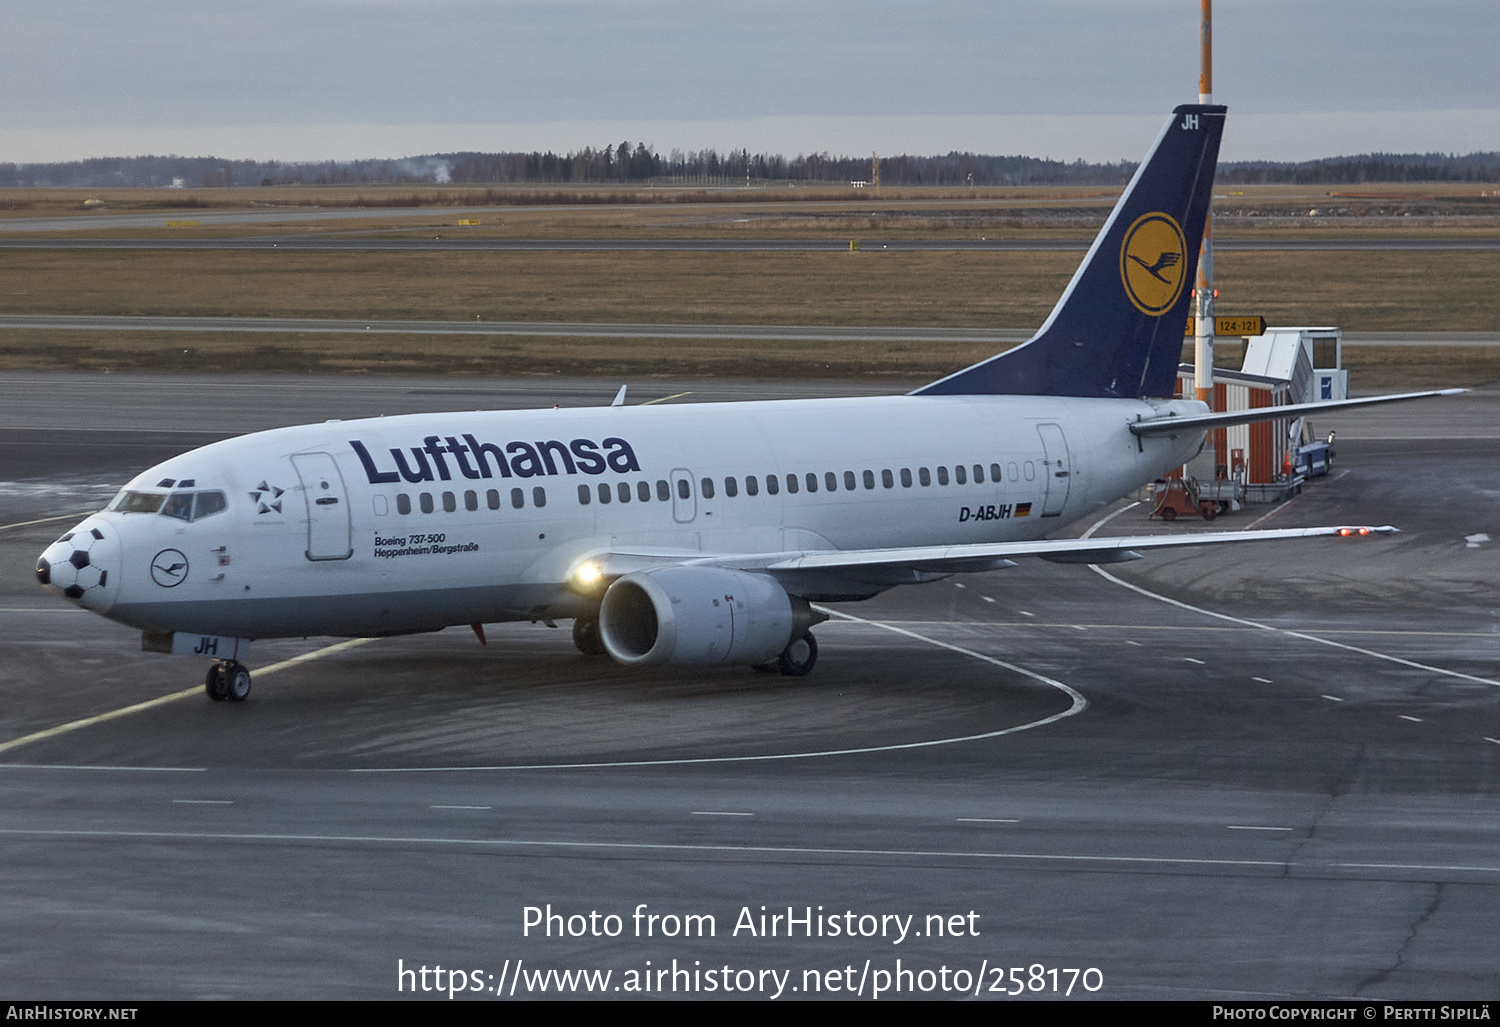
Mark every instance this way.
x=796 y=660
x=227 y=680
x=586 y=636
x=798 y=657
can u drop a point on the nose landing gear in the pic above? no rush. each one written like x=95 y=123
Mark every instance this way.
x=227 y=680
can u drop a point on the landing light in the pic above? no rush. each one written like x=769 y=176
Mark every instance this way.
x=587 y=576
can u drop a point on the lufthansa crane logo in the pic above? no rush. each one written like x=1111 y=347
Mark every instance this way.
x=1153 y=259
x=169 y=568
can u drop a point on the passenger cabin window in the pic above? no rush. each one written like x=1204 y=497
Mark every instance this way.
x=812 y=482
x=773 y=485
x=979 y=474
x=886 y=479
x=492 y=499
x=831 y=481
x=403 y=503
x=959 y=475
x=643 y=491
x=869 y=479
x=623 y=489
x=849 y=481
x=942 y=475
x=450 y=502
x=663 y=493
x=752 y=487
x=584 y=495
x=906 y=477
x=471 y=500
x=708 y=488
x=425 y=501
x=539 y=496
x=605 y=495
x=924 y=477
x=731 y=488
x=791 y=484
x=517 y=498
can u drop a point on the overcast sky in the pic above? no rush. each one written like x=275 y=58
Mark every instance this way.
x=342 y=79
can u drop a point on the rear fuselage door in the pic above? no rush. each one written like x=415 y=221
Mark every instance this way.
x=328 y=529
x=1058 y=468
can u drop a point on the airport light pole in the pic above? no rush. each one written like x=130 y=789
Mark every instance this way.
x=1203 y=334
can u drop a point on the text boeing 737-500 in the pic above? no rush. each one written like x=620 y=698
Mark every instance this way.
x=691 y=534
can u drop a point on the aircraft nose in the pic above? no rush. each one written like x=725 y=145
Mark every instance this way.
x=83 y=565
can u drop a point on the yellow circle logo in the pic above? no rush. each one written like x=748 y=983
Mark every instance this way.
x=1152 y=263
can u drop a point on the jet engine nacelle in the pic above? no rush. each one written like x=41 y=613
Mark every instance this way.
x=698 y=615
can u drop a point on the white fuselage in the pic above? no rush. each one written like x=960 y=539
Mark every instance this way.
x=457 y=518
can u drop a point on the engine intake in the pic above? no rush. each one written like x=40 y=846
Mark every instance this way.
x=699 y=615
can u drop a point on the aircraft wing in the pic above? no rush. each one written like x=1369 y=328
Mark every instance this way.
x=821 y=571
x=1061 y=550
x=1202 y=422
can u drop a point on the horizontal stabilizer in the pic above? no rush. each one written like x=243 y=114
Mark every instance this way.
x=1202 y=422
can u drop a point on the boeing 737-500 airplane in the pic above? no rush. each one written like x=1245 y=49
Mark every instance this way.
x=691 y=534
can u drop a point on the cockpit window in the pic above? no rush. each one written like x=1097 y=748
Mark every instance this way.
x=139 y=502
x=185 y=506
x=179 y=505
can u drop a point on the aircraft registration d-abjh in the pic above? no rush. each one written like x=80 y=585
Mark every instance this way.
x=690 y=534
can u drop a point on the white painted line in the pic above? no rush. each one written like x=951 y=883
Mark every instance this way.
x=203 y=802
x=1077 y=627
x=80 y=766
x=1200 y=663
x=1129 y=642
x=1332 y=698
x=44 y=520
x=1079 y=704
x=1293 y=634
x=1414 y=720
x=1252 y=827
x=74 y=725
x=460 y=807
x=959 y=584
x=718 y=813
x=663 y=399
x=1264 y=681
x=985 y=820
x=1023 y=613
x=1487 y=738
x=580 y=846
x=987 y=599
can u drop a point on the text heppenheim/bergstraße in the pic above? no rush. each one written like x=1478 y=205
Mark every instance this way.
x=750 y=922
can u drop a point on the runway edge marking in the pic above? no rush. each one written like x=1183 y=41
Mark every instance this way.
x=1267 y=627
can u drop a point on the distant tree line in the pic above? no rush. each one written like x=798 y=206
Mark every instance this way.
x=639 y=164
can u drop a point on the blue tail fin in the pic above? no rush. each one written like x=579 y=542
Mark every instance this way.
x=1118 y=329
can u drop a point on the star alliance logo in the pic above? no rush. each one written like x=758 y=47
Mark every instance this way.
x=267 y=498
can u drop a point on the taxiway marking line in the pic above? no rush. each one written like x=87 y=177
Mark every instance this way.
x=717 y=813
x=42 y=520
x=1267 y=627
x=1252 y=827
x=663 y=399
x=727 y=850
x=1079 y=704
x=125 y=711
